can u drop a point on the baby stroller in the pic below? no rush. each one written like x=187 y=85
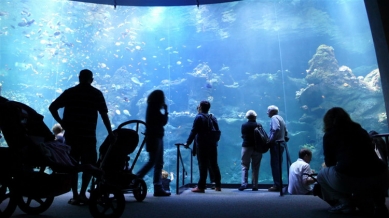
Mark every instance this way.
x=107 y=193
x=34 y=168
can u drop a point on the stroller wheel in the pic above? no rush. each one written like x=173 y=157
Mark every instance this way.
x=8 y=202
x=34 y=205
x=104 y=203
x=140 y=190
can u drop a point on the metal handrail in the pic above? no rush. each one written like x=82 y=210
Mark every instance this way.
x=386 y=137
x=184 y=172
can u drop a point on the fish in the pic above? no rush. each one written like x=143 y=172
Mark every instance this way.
x=117 y=112
x=23 y=12
x=57 y=33
x=168 y=48
x=126 y=112
x=25 y=23
x=178 y=62
x=225 y=68
x=234 y=85
x=136 y=81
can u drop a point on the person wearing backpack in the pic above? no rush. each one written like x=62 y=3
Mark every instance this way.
x=249 y=154
x=205 y=132
x=277 y=132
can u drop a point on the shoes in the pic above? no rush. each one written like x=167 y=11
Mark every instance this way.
x=342 y=208
x=273 y=189
x=242 y=187
x=218 y=189
x=255 y=189
x=161 y=193
x=198 y=190
x=78 y=201
x=213 y=186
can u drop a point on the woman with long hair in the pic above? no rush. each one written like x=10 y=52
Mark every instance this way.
x=155 y=121
x=354 y=176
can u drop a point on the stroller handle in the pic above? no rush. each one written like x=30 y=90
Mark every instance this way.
x=132 y=121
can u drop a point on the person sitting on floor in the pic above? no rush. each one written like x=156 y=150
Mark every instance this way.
x=299 y=182
x=58 y=132
x=166 y=180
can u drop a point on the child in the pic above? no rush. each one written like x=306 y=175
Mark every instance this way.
x=58 y=132
x=166 y=181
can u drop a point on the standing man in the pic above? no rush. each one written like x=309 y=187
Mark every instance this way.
x=299 y=182
x=277 y=132
x=205 y=149
x=81 y=104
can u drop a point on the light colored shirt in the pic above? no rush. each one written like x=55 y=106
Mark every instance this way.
x=277 y=123
x=297 y=181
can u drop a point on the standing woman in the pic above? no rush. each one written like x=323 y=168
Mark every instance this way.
x=155 y=121
x=248 y=152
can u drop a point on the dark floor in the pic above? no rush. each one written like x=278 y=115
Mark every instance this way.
x=227 y=203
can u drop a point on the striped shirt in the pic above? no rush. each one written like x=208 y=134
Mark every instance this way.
x=81 y=104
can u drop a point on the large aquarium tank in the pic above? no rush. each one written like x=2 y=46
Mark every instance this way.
x=304 y=56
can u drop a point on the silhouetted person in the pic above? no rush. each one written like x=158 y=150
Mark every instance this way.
x=155 y=131
x=354 y=176
x=205 y=149
x=81 y=104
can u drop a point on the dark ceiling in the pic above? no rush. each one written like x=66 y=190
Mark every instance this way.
x=154 y=2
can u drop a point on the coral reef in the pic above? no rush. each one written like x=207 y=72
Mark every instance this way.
x=332 y=86
x=322 y=65
x=373 y=81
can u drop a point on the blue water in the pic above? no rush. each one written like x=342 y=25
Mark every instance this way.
x=240 y=56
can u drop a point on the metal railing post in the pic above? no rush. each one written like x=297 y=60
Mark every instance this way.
x=178 y=169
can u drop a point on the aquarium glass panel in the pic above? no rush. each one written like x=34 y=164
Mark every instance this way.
x=304 y=56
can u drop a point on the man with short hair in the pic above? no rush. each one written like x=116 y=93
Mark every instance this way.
x=299 y=182
x=206 y=151
x=277 y=133
x=81 y=104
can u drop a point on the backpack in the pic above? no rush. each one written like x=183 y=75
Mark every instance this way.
x=213 y=133
x=261 y=139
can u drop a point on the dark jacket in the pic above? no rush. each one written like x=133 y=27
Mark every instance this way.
x=349 y=149
x=200 y=129
x=155 y=121
x=248 y=133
